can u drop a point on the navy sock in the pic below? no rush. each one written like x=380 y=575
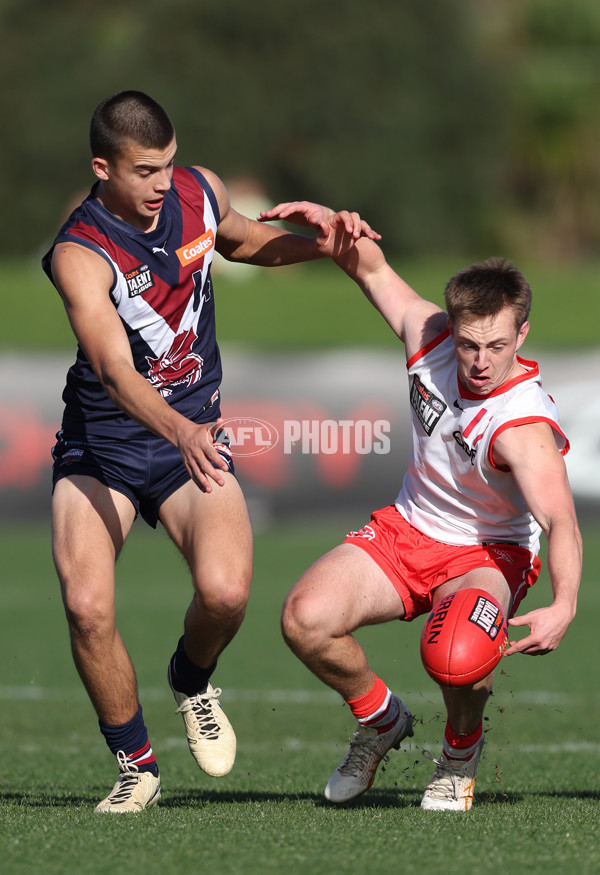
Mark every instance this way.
x=132 y=739
x=185 y=676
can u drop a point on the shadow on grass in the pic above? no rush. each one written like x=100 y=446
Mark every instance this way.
x=202 y=798
x=49 y=800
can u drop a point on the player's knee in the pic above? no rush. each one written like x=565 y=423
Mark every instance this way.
x=87 y=590
x=289 y=627
x=302 y=624
x=87 y=615
x=226 y=599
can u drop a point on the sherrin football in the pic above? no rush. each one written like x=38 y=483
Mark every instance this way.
x=463 y=638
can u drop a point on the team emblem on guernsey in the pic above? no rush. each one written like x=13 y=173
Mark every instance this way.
x=139 y=279
x=179 y=365
x=366 y=532
x=426 y=405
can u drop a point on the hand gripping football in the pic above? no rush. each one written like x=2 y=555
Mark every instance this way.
x=463 y=638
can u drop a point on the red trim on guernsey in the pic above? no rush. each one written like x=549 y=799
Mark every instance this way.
x=87 y=231
x=474 y=422
x=428 y=347
x=526 y=420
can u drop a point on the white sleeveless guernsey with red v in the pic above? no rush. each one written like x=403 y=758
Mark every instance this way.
x=452 y=491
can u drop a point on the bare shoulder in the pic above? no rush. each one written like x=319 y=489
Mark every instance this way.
x=72 y=253
x=424 y=322
x=532 y=443
x=75 y=266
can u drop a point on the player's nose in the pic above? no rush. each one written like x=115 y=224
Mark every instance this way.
x=162 y=181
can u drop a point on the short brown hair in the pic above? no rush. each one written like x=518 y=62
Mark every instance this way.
x=126 y=117
x=485 y=288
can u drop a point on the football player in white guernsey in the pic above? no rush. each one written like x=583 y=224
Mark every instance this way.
x=141 y=422
x=486 y=476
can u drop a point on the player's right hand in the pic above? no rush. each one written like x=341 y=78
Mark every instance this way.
x=203 y=462
x=323 y=219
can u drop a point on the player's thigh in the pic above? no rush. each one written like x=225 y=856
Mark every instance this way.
x=342 y=591
x=90 y=522
x=488 y=579
x=212 y=530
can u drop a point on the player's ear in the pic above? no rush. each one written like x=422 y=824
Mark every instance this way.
x=522 y=334
x=100 y=168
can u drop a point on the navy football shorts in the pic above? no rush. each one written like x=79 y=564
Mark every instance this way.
x=147 y=470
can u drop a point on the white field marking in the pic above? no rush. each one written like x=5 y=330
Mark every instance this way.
x=295 y=745
x=413 y=747
x=565 y=747
x=158 y=694
x=301 y=697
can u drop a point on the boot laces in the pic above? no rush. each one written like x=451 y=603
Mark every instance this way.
x=202 y=707
x=127 y=780
x=359 y=754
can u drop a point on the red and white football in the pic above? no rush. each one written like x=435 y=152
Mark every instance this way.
x=463 y=638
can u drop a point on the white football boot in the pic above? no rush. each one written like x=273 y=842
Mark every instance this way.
x=452 y=784
x=210 y=735
x=133 y=791
x=356 y=772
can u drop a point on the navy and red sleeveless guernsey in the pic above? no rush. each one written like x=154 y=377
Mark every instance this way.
x=163 y=293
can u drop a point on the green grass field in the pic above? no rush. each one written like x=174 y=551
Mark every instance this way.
x=313 y=305
x=538 y=789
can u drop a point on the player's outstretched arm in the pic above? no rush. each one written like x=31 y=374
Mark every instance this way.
x=539 y=469
x=414 y=319
x=242 y=239
x=411 y=317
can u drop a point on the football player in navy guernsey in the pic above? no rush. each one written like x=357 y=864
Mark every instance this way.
x=141 y=425
x=485 y=478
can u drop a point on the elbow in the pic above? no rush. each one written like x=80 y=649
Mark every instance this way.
x=111 y=374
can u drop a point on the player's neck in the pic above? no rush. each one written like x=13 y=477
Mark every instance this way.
x=142 y=223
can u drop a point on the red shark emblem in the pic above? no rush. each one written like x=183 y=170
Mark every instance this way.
x=176 y=366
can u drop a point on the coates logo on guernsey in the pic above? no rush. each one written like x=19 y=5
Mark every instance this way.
x=196 y=249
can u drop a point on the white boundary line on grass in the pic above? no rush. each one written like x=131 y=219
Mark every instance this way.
x=294 y=745
x=295 y=697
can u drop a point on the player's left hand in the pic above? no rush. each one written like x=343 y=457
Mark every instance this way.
x=336 y=232
x=547 y=627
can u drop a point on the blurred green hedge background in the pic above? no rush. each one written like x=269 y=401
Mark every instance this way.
x=454 y=126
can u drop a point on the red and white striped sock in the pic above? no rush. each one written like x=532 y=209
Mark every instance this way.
x=377 y=708
x=461 y=747
x=132 y=739
x=142 y=758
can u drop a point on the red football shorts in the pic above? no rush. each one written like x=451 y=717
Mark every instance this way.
x=416 y=564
